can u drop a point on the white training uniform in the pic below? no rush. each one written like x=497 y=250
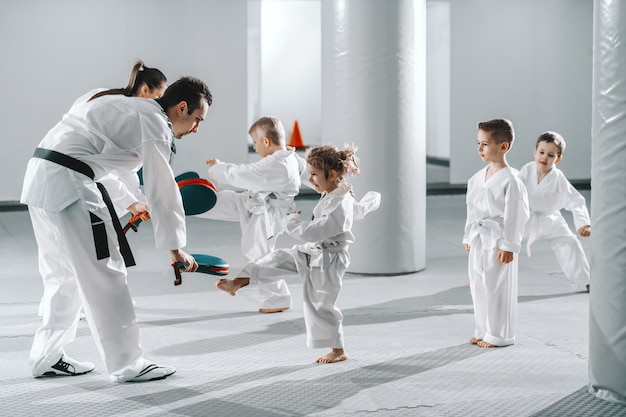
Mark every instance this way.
x=546 y=199
x=271 y=184
x=124 y=188
x=114 y=135
x=497 y=211
x=321 y=262
x=123 y=191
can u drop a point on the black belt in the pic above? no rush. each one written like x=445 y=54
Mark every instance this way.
x=97 y=224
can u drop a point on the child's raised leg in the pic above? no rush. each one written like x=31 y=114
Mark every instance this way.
x=335 y=355
x=231 y=286
x=272 y=310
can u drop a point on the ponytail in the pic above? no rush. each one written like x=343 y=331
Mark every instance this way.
x=139 y=75
x=350 y=160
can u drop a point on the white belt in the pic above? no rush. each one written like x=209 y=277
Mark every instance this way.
x=259 y=203
x=327 y=249
x=490 y=230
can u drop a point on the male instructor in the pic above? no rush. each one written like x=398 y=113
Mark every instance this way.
x=78 y=232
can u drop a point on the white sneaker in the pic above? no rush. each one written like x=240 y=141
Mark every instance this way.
x=65 y=366
x=153 y=372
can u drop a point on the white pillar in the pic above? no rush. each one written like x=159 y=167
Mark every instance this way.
x=607 y=314
x=374 y=95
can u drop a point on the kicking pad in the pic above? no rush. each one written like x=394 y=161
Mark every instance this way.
x=207 y=264
x=199 y=195
x=187 y=176
x=184 y=176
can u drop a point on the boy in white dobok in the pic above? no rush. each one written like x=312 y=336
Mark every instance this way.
x=322 y=261
x=549 y=192
x=497 y=210
x=270 y=186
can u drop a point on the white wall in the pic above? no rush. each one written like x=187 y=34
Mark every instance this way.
x=438 y=79
x=53 y=51
x=291 y=69
x=254 y=61
x=528 y=61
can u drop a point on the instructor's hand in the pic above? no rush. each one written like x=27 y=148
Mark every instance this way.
x=140 y=208
x=178 y=255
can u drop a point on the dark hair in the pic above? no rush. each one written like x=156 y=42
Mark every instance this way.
x=271 y=127
x=501 y=130
x=552 y=137
x=192 y=90
x=327 y=158
x=140 y=75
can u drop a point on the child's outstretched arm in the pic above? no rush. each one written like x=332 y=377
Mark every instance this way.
x=369 y=202
x=330 y=223
x=243 y=176
x=575 y=203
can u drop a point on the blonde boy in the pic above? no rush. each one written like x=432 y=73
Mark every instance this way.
x=497 y=210
x=271 y=185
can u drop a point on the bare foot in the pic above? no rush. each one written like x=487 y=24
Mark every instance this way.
x=484 y=344
x=272 y=310
x=474 y=341
x=467 y=285
x=231 y=286
x=336 y=355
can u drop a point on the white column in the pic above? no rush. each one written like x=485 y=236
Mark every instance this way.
x=373 y=95
x=607 y=314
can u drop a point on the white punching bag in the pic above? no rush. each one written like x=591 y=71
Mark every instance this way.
x=374 y=96
x=607 y=299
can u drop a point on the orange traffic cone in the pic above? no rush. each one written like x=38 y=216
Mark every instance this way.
x=296 y=138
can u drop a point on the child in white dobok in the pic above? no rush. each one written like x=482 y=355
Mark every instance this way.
x=323 y=260
x=497 y=210
x=549 y=192
x=270 y=186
